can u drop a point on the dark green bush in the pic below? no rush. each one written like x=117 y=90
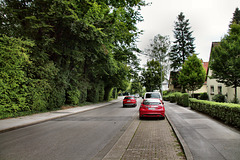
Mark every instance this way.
x=185 y=99
x=235 y=100
x=203 y=96
x=74 y=96
x=227 y=112
x=172 y=98
x=219 y=98
x=96 y=92
x=101 y=92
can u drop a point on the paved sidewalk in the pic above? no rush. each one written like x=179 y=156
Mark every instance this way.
x=205 y=137
x=13 y=123
x=147 y=140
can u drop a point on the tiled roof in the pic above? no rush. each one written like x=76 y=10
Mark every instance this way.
x=205 y=66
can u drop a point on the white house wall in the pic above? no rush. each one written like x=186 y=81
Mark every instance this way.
x=227 y=91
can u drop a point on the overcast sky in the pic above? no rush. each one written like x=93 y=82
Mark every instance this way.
x=209 y=21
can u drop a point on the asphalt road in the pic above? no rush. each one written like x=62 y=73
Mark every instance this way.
x=81 y=136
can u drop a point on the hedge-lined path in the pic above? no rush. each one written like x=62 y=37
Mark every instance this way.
x=205 y=137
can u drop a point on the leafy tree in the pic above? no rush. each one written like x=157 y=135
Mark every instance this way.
x=13 y=58
x=192 y=75
x=183 y=46
x=151 y=76
x=158 y=50
x=80 y=46
x=225 y=59
x=136 y=86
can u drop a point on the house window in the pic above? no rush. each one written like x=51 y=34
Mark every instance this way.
x=212 y=90
x=219 y=89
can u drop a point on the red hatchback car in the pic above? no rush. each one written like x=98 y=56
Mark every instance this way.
x=152 y=108
x=129 y=101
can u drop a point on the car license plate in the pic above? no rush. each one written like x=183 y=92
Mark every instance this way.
x=129 y=101
x=151 y=108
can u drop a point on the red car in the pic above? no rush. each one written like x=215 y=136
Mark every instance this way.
x=152 y=107
x=129 y=101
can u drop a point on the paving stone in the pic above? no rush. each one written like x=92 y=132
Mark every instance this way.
x=154 y=140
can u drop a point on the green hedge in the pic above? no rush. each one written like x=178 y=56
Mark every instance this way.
x=178 y=97
x=227 y=112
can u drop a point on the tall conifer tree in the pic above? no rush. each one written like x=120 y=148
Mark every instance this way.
x=183 y=46
x=236 y=16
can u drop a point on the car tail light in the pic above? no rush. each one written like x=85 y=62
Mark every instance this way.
x=161 y=107
x=142 y=106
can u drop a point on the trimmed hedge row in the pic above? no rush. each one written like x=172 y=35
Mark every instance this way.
x=181 y=98
x=227 y=112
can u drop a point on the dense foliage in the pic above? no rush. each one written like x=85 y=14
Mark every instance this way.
x=183 y=45
x=236 y=17
x=158 y=51
x=225 y=59
x=181 y=98
x=192 y=75
x=151 y=76
x=203 y=96
x=227 y=112
x=80 y=50
x=219 y=98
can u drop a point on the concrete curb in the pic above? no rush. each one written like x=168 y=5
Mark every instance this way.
x=122 y=144
x=20 y=122
x=185 y=147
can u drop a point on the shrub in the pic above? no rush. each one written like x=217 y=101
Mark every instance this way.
x=185 y=99
x=178 y=96
x=14 y=89
x=166 y=93
x=219 y=98
x=74 y=96
x=235 y=100
x=203 y=96
x=227 y=112
x=181 y=98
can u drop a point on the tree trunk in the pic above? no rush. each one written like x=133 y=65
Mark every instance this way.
x=235 y=99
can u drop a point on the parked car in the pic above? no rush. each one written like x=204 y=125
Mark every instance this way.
x=152 y=107
x=129 y=101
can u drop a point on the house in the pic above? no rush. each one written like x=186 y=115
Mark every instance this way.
x=173 y=83
x=204 y=87
x=174 y=86
x=214 y=87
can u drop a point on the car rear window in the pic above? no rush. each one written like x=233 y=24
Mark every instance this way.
x=152 y=95
x=151 y=103
x=128 y=98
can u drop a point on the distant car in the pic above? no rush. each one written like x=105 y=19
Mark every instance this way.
x=152 y=107
x=152 y=95
x=136 y=95
x=129 y=101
